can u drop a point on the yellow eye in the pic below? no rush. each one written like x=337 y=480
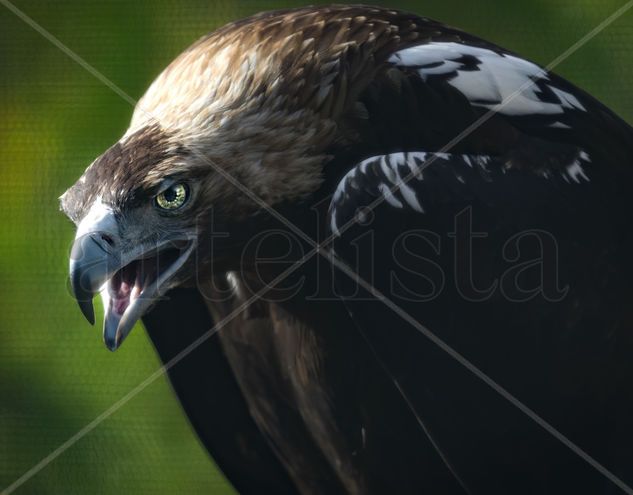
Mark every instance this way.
x=173 y=197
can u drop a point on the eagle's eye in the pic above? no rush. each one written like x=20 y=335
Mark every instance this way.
x=173 y=197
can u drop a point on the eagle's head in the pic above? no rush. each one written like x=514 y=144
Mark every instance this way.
x=254 y=106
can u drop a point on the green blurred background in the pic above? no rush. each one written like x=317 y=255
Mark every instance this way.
x=55 y=118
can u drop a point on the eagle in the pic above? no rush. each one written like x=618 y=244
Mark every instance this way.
x=416 y=247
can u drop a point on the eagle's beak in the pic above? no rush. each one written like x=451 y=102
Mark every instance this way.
x=92 y=263
x=129 y=280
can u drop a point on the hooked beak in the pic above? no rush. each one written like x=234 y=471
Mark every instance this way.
x=129 y=280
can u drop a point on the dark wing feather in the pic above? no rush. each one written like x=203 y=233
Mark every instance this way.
x=321 y=400
x=427 y=94
x=560 y=350
x=208 y=392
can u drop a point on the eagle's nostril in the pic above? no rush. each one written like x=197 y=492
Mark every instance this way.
x=107 y=238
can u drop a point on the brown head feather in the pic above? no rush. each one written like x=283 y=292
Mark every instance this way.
x=263 y=98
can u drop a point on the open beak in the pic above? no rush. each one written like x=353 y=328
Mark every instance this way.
x=129 y=280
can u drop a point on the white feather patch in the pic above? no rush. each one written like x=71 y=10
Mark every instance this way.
x=500 y=82
x=575 y=171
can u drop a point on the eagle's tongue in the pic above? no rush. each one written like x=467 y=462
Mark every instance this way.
x=133 y=289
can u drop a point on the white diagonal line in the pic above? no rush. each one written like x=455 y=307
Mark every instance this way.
x=150 y=379
x=318 y=247
x=488 y=115
x=478 y=373
x=590 y=35
x=70 y=53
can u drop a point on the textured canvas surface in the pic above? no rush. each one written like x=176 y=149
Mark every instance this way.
x=55 y=117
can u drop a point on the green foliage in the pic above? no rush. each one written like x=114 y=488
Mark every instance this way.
x=55 y=118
